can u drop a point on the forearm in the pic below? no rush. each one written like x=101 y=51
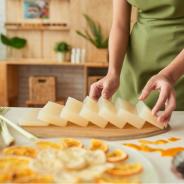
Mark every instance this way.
x=117 y=48
x=119 y=35
x=175 y=69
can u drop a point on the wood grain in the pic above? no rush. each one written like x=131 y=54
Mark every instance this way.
x=109 y=133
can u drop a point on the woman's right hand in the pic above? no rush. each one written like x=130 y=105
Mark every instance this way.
x=105 y=87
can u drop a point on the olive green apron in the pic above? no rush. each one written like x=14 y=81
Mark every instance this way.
x=156 y=39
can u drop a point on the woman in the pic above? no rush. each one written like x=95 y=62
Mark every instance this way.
x=153 y=50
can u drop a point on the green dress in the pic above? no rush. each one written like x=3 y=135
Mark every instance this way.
x=156 y=39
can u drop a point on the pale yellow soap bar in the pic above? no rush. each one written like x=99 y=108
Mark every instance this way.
x=71 y=112
x=108 y=111
x=50 y=113
x=90 y=112
x=145 y=113
x=128 y=113
x=30 y=119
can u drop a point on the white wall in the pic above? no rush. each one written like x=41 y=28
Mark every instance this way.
x=2 y=20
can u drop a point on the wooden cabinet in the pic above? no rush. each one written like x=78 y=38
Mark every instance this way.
x=8 y=84
x=73 y=82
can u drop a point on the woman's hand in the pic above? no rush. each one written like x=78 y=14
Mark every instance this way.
x=105 y=87
x=166 y=97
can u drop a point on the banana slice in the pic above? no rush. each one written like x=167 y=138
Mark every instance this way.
x=20 y=151
x=117 y=156
x=127 y=169
x=95 y=157
x=96 y=144
x=70 y=142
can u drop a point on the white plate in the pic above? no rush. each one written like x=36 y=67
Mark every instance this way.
x=149 y=174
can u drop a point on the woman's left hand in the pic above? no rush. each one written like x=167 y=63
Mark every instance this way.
x=166 y=98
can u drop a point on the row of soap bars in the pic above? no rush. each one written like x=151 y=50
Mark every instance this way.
x=99 y=113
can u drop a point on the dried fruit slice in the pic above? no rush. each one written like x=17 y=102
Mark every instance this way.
x=48 y=145
x=70 y=143
x=20 y=151
x=96 y=144
x=116 y=156
x=127 y=169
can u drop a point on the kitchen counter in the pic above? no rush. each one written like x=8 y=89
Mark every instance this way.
x=162 y=164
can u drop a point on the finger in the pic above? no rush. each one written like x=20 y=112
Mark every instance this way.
x=95 y=91
x=107 y=91
x=170 y=107
x=164 y=95
x=147 y=90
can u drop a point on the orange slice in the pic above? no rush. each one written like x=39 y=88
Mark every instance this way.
x=48 y=145
x=170 y=152
x=127 y=169
x=174 y=139
x=20 y=151
x=70 y=143
x=116 y=156
x=98 y=145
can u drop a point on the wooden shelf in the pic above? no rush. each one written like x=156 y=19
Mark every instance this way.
x=52 y=62
x=37 y=26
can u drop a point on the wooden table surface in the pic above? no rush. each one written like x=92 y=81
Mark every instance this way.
x=162 y=164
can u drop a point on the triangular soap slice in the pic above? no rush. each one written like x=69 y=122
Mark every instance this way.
x=107 y=111
x=71 y=112
x=145 y=112
x=128 y=113
x=30 y=119
x=90 y=112
x=50 y=113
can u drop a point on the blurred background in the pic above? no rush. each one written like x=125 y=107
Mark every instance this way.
x=52 y=49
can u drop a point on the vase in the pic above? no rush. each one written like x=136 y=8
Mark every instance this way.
x=61 y=57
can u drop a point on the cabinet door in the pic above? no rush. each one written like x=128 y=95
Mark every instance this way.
x=3 y=85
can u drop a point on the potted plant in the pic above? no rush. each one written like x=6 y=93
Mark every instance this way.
x=61 y=49
x=96 y=37
x=14 y=42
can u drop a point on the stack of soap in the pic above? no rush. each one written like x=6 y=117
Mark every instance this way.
x=145 y=112
x=50 y=113
x=30 y=119
x=71 y=112
x=90 y=112
x=128 y=113
x=108 y=111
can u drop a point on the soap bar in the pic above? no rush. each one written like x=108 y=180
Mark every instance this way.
x=30 y=119
x=128 y=113
x=50 y=113
x=71 y=112
x=108 y=111
x=145 y=113
x=90 y=112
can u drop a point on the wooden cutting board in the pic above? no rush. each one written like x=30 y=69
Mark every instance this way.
x=108 y=133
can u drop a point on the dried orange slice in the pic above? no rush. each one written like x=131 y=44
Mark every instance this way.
x=20 y=151
x=96 y=144
x=127 y=169
x=70 y=143
x=48 y=145
x=116 y=156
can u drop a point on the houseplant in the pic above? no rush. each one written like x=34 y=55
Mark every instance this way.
x=95 y=36
x=61 y=49
x=14 y=43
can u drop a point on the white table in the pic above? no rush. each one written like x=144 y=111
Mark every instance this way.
x=162 y=164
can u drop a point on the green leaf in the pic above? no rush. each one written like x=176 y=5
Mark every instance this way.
x=5 y=40
x=95 y=36
x=15 y=42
